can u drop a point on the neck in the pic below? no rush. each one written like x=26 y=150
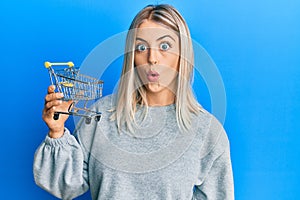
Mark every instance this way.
x=162 y=98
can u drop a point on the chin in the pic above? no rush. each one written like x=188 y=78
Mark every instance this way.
x=154 y=87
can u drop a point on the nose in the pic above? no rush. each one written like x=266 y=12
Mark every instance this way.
x=153 y=56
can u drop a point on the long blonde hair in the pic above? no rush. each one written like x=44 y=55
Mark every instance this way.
x=130 y=93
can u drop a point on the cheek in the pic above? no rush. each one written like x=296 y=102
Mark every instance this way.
x=167 y=77
x=139 y=59
x=141 y=72
x=176 y=63
x=172 y=60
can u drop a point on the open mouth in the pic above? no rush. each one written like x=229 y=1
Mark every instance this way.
x=153 y=76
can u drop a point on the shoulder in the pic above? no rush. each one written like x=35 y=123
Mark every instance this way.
x=86 y=132
x=211 y=132
x=206 y=120
x=106 y=103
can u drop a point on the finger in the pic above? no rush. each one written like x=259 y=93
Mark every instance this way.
x=52 y=104
x=70 y=104
x=51 y=89
x=53 y=96
x=48 y=112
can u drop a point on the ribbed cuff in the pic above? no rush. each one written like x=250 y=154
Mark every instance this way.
x=63 y=140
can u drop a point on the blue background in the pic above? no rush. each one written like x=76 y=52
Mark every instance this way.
x=255 y=45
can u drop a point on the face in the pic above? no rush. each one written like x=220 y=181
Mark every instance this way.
x=157 y=57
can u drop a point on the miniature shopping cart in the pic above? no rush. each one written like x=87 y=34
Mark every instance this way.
x=76 y=87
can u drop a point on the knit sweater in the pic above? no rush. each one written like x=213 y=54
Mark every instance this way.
x=157 y=161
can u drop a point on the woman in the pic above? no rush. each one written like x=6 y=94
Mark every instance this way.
x=154 y=141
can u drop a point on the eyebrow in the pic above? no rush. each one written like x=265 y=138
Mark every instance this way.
x=160 y=38
x=169 y=36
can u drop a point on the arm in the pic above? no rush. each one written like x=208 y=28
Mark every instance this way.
x=215 y=179
x=59 y=167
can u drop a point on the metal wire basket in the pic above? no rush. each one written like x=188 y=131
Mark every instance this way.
x=76 y=87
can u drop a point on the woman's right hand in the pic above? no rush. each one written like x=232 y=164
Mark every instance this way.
x=54 y=103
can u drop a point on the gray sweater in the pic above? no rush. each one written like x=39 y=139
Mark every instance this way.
x=157 y=162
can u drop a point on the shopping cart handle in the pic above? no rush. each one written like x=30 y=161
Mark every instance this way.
x=50 y=64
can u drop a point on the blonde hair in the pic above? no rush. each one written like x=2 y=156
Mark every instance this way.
x=131 y=93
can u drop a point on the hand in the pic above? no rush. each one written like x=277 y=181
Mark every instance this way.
x=54 y=103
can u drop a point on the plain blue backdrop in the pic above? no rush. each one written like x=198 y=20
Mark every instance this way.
x=255 y=45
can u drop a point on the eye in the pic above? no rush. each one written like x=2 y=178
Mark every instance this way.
x=165 y=46
x=141 y=47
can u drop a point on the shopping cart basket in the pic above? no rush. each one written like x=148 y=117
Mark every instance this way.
x=76 y=87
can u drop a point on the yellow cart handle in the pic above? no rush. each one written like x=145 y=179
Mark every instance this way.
x=50 y=64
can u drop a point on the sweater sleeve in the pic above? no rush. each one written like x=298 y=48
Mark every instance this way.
x=215 y=179
x=59 y=167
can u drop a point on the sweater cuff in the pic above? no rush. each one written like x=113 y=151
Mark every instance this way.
x=63 y=140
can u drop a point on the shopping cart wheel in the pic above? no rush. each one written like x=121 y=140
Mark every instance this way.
x=88 y=120
x=97 y=118
x=56 y=116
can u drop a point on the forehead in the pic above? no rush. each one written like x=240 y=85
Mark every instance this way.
x=152 y=30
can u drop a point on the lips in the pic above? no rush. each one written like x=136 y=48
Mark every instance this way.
x=153 y=76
